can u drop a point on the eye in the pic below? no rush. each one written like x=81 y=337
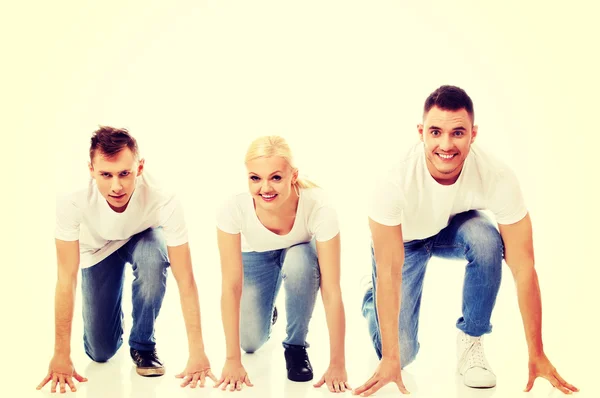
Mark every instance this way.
x=277 y=178
x=255 y=178
x=125 y=173
x=435 y=133
x=459 y=133
x=105 y=175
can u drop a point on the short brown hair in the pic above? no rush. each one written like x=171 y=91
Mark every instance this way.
x=110 y=141
x=450 y=98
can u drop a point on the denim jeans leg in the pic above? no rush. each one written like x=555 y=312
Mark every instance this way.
x=262 y=280
x=102 y=292
x=301 y=280
x=149 y=259
x=473 y=236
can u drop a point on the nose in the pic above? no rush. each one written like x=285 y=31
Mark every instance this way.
x=116 y=185
x=445 y=143
x=266 y=187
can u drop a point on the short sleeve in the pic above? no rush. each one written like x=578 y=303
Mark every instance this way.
x=386 y=203
x=68 y=219
x=172 y=220
x=324 y=223
x=229 y=216
x=505 y=199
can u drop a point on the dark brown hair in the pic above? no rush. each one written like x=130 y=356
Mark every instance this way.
x=110 y=141
x=450 y=98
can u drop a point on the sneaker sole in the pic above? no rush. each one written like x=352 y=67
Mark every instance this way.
x=150 y=372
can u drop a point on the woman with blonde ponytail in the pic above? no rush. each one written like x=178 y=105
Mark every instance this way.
x=281 y=230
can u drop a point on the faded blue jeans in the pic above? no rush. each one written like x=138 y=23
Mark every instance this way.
x=471 y=236
x=298 y=268
x=102 y=291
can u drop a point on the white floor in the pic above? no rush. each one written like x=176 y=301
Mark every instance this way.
x=431 y=375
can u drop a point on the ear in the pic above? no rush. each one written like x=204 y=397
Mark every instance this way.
x=420 y=130
x=294 y=176
x=91 y=169
x=474 y=133
x=140 y=167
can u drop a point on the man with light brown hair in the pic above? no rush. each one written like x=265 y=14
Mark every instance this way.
x=121 y=217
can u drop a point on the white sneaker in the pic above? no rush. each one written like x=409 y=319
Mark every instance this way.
x=472 y=364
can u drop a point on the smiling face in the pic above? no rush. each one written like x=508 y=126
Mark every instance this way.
x=115 y=177
x=270 y=181
x=447 y=137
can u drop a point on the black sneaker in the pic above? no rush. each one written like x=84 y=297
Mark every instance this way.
x=274 y=319
x=147 y=363
x=297 y=364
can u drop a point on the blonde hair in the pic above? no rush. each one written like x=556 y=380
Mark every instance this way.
x=274 y=145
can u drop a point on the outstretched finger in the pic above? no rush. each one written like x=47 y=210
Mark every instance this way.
x=554 y=381
x=69 y=381
x=186 y=381
x=212 y=376
x=320 y=382
x=54 y=382
x=401 y=387
x=564 y=382
x=365 y=386
x=61 y=379
x=79 y=377
x=373 y=389
x=247 y=381
x=530 y=382
x=202 y=379
x=45 y=381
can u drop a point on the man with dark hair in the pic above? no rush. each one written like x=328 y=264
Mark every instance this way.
x=430 y=204
x=121 y=217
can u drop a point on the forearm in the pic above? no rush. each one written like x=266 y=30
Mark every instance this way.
x=230 y=314
x=190 y=307
x=64 y=300
x=530 y=305
x=336 y=323
x=388 y=312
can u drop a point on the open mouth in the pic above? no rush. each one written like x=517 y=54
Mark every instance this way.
x=268 y=198
x=446 y=156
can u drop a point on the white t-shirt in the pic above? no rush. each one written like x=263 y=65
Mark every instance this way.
x=86 y=216
x=315 y=217
x=410 y=196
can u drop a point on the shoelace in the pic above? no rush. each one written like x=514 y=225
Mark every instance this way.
x=300 y=356
x=475 y=354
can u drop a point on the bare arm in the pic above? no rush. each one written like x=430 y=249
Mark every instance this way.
x=181 y=266
x=67 y=254
x=518 y=246
x=388 y=245
x=231 y=293
x=389 y=256
x=329 y=262
x=233 y=375
x=61 y=369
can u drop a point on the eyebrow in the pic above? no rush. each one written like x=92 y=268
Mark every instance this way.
x=275 y=172
x=110 y=172
x=454 y=129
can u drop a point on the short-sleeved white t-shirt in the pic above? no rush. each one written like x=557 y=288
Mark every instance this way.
x=86 y=216
x=315 y=217
x=409 y=195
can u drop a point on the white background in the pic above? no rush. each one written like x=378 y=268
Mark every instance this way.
x=344 y=82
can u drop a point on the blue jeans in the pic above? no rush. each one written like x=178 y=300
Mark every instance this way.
x=298 y=268
x=102 y=291
x=471 y=236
